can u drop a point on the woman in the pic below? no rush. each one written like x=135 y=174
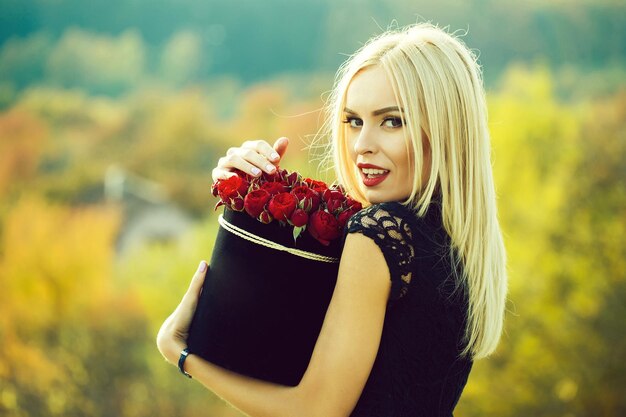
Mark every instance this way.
x=421 y=287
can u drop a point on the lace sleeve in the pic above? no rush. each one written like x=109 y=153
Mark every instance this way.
x=392 y=233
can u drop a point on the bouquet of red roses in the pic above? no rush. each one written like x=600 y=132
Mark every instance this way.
x=290 y=199
x=264 y=300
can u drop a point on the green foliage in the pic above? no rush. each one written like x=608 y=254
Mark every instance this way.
x=106 y=65
x=109 y=47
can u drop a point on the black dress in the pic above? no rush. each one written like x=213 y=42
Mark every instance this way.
x=417 y=371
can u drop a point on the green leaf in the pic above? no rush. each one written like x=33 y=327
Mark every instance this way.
x=296 y=232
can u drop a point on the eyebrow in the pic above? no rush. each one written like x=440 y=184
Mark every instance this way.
x=379 y=111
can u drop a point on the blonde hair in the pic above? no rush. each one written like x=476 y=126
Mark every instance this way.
x=438 y=83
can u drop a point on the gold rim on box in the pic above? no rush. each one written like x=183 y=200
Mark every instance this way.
x=244 y=234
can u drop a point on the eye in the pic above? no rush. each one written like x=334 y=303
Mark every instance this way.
x=353 y=121
x=393 y=122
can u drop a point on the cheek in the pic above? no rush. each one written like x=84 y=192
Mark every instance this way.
x=352 y=155
x=404 y=158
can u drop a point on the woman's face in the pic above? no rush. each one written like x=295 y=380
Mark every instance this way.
x=376 y=141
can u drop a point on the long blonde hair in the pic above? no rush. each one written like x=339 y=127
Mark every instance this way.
x=437 y=81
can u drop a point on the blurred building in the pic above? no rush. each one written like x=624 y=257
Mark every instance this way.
x=149 y=215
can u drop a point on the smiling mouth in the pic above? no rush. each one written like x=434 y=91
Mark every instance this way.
x=373 y=173
x=372 y=177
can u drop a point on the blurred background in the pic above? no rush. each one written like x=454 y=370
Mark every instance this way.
x=113 y=113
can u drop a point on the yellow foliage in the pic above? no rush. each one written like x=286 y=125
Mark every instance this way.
x=56 y=261
x=21 y=139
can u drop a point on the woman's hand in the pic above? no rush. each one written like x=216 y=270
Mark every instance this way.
x=172 y=337
x=252 y=157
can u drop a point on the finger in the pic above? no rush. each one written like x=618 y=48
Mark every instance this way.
x=221 y=174
x=196 y=283
x=198 y=277
x=227 y=164
x=249 y=161
x=280 y=146
x=264 y=149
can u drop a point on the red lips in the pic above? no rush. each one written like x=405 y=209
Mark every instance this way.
x=361 y=166
x=373 y=181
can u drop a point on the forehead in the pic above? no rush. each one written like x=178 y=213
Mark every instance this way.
x=370 y=89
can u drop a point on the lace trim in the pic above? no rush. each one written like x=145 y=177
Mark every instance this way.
x=392 y=233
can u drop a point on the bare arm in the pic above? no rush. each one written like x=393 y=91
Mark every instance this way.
x=342 y=358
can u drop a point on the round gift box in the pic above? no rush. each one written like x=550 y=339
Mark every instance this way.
x=261 y=309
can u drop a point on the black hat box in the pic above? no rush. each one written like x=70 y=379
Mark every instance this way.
x=261 y=309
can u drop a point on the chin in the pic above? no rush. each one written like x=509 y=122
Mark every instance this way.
x=375 y=198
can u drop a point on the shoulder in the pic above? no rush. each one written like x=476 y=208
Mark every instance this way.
x=389 y=227
x=390 y=215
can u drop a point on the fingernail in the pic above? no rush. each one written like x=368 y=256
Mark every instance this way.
x=275 y=155
x=202 y=266
x=270 y=167
x=255 y=171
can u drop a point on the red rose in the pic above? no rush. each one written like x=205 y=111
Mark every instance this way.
x=345 y=215
x=299 y=218
x=324 y=227
x=232 y=187
x=334 y=200
x=274 y=176
x=255 y=201
x=328 y=195
x=282 y=205
x=334 y=205
x=310 y=199
x=318 y=186
x=353 y=204
x=273 y=187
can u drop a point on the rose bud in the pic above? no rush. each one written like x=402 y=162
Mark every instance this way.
x=333 y=205
x=315 y=185
x=282 y=173
x=299 y=218
x=219 y=203
x=334 y=200
x=292 y=179
x=333 y=195
x=324 y=227
x=270 y=177
x=282 y=205
x=310 y=199
x=237 y=203
x=344 y=216
x=273 y=187
x=255 y=202
x=353 y=204
x=265 y=217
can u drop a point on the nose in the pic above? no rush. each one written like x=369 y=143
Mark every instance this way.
x=365 y=141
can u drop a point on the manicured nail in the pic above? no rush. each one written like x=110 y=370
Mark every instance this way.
x=275 y=155
x=270 y=167
x=202 y=266
x=255 y=171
